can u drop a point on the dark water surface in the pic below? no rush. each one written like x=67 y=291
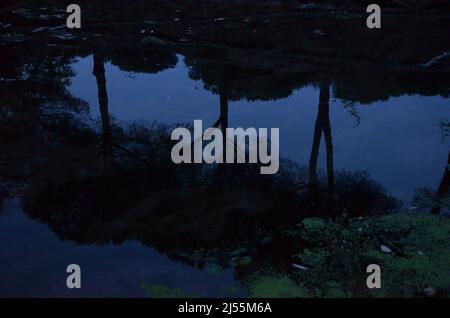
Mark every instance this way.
x=33 y=262
x=86 y=175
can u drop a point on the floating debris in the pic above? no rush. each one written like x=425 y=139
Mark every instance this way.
x=151 y=40
x=300 y=267
x=22 y=12
x=238 y=251
x=40 y=29
x=319 y=32
x=66 y=37
x=308 y=6
x=240 y=261
x=385 y=249
x=429 y=292
x=56 y=28
x=49 y=16
x=13 y=37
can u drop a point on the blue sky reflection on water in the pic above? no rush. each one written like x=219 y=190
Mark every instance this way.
x=398 y=141
x=33 y=265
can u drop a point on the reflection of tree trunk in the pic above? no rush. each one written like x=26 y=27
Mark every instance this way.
x=322 y=125
x=315 y=151
x=223 y=91
x=443 y=190
x=99 y=73
x=224 y=119
x=324 y=104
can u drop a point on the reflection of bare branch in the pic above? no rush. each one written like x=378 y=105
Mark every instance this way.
x=436 y=59
x=443 y=190
x=349 y=106
x=444 y=126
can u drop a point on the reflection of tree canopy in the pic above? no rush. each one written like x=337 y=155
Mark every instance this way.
x=242 y=83
x=356 y=81
x=35 y=91
x=176 y=209
x=269 y=57
x=141 y=60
